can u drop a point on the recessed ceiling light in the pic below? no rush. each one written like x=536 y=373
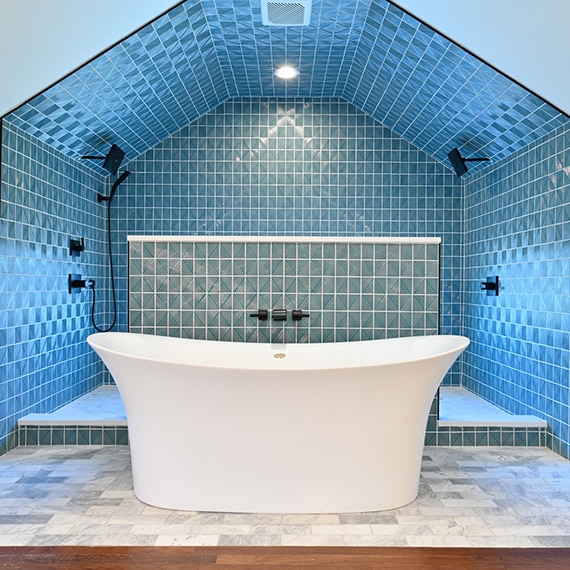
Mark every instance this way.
x=286 y=72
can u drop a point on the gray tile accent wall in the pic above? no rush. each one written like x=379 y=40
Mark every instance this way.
x=351 y=291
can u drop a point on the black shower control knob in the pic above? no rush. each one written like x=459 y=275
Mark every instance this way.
x=261 y=314
x=298 y=314
x=76 y=247
x=491 y=285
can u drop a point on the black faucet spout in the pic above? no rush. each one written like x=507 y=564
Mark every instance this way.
x=298 y=314
x=261 y=314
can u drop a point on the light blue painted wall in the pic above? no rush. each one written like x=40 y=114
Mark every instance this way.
x=517 y=226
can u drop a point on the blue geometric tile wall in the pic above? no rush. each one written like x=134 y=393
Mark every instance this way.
x=46 y=199
x=361 y=180
x=351 y=291
x=516 y=220
x=305 y=167
x=517 y=226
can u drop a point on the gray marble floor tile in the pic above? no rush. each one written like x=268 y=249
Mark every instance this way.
x=468 y=497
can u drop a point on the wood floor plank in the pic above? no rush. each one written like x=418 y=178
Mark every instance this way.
x=280 y=558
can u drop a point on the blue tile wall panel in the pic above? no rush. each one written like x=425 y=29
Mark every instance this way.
x=46 y=199
x=307 y=167
x=517 y=226
x=351 y=291
x=251 y=167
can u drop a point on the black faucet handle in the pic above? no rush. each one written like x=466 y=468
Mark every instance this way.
x=279 y=314
x=76 y=246
x=298 y=314
x=261 y=314
x=491 y=285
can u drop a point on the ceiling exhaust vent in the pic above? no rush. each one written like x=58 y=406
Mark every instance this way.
x=285 y=12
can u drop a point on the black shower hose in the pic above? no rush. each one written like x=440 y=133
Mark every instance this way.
x=111 y=269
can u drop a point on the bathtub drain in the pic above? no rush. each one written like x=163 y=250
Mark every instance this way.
x=279 y=355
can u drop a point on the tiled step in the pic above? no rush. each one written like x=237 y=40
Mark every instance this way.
x=101 y=407
x=98 y=418
x=459 y=407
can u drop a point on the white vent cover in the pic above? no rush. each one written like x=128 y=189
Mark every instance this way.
x=285 y=12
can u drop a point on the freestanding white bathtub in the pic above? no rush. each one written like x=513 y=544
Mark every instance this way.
x=303 y=428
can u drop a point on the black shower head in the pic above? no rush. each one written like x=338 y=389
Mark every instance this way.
x=112 y=160
x=458 y=162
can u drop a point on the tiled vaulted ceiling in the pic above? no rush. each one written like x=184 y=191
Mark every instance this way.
x=368 y=52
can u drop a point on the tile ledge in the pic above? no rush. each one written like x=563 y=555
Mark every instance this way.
x=286 y=239
x=515 y=422
x=34 y=420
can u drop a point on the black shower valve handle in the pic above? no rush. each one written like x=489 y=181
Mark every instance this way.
x=75 y=284
x=82 y=283
x=261 y=314
x=298 y=314
x=76 y=246
x=279 y=314
x=491 y=285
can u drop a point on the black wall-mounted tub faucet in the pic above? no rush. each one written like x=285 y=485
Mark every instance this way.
x=279 y=314
x=298 y=314
x=261 y=314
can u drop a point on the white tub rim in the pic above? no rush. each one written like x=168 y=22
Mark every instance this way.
x=282 y=365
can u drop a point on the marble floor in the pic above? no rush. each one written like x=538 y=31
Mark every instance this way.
x=83 y=495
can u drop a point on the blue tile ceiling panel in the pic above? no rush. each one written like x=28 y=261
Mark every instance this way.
x=369 y=52
x=250 y=52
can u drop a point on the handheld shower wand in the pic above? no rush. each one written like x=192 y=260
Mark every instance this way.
x=101 y=198
x=109 y=199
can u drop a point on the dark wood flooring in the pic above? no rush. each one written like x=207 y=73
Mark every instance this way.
x=274 y=558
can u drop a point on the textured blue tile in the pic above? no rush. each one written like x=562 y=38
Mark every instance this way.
x=520 y=357
x=269 y=284
x=46 y=199
x=515 y=213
